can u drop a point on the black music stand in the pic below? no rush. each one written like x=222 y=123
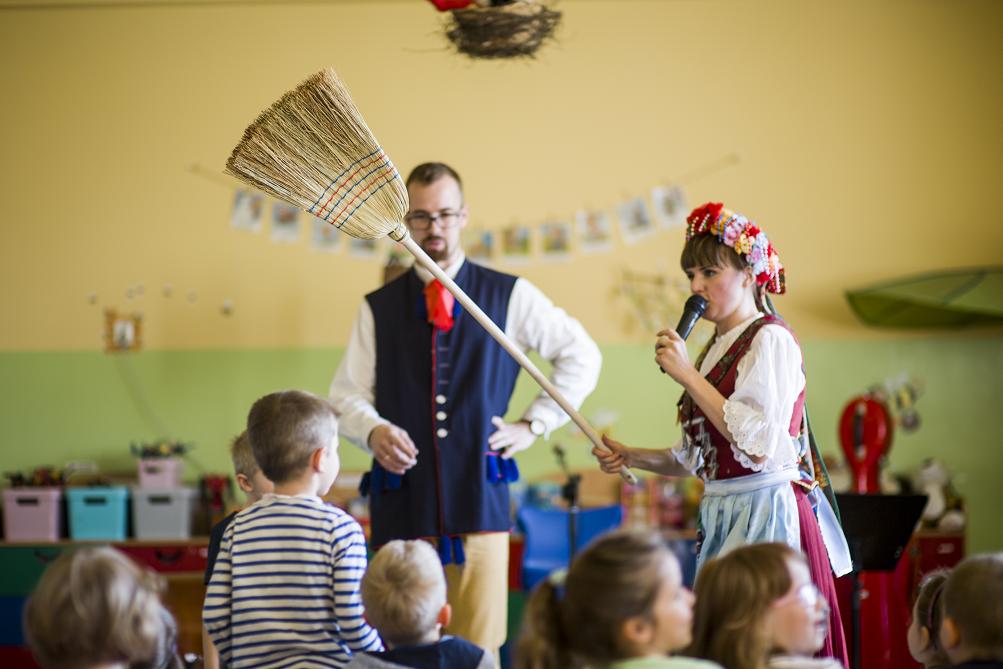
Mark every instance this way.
x=569 y=493
x=877 y=529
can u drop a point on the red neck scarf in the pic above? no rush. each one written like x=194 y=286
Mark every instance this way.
x=439 y=302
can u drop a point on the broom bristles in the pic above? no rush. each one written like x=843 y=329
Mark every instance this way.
x=314 y=150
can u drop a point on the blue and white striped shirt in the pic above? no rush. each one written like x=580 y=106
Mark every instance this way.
x=285 y=588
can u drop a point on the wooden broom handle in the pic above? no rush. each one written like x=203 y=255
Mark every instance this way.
x=508 y=345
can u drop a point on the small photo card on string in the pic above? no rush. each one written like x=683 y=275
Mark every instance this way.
x=122 y=331
x=285 y=223
x=595 y=233
x=669 y=205
x=515 y=243
x=635 y=219
x=479 y=244
x=362 y=248
x=247 y=209
x=325 y=237
x=555 y=240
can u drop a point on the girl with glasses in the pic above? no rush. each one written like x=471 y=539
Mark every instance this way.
x=757 y=608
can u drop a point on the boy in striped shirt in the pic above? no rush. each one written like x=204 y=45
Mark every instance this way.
x=285 y=588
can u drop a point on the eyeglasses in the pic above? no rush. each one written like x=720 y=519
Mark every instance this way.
x=422 y=220
x=807 y=594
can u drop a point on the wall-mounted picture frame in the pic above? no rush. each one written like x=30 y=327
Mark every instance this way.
x=122 y=331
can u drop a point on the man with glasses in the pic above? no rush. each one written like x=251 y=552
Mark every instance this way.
x=423 y=388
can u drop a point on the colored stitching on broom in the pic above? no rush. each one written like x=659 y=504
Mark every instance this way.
x=354 y=184
x=382 y=158
x=359 y=183
x=387 y=176
x=343 y=173
x=358 y=206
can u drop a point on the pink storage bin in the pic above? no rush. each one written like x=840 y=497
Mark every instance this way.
x=160 y=472
x=32 y=514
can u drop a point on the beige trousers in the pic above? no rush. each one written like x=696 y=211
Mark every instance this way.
x=478 y=592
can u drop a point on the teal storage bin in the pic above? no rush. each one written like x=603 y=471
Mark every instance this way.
x=98 y=513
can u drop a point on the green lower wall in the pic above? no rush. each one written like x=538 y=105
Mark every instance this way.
x=57 y=407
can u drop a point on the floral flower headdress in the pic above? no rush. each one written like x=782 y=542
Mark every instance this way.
x=745 y=237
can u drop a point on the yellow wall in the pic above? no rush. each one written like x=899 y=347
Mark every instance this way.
x=868 y=135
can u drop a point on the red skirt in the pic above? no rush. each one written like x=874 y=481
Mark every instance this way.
x=821 y=574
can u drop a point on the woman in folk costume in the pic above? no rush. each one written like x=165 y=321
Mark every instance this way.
x=742 y=413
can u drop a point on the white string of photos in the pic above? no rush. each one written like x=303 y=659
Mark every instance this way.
x=589 y=231
x=652 y=297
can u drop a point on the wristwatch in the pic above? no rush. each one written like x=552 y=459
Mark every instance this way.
x=537 y=427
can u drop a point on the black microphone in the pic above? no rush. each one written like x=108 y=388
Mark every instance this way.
x=692 y=311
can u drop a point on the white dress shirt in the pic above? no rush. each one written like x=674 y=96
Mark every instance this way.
x=533 y=322
x=768 y=382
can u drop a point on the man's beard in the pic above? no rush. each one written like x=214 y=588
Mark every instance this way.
x=436 y=254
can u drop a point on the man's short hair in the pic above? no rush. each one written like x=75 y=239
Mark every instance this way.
x=428 y=173
x=242 y=456
x=973 y=599
x=403 y=591
x=285 y=428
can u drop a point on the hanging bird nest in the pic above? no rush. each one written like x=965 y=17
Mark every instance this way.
x=506 y=30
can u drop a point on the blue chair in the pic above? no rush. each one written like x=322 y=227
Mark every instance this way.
x=547 y=545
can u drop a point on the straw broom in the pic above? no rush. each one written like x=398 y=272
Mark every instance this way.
x=314 y=150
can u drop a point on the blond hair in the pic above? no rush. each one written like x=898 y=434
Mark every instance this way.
x=973 y=599
x=95 y=606
x=733 y=594
x=578 y=623
x=285 y=428
x=242 y=456
x=403 y=591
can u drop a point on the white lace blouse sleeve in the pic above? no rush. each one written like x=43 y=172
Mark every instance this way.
x=768 y=382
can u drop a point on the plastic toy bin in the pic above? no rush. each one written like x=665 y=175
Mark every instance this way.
x=32 y=514
x=162 y=514
x=97 y=513
x=161 y=473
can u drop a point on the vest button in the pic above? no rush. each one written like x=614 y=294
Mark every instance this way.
x=440 y=399
x=441 y=432
x=441 y=415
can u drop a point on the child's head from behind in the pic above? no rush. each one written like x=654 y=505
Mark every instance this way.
x=972 y=627
x=249 y=476
x=754 y=601
x=404 y=593
x=94 y=607
x=927 y=613
x=622 y=597
x=293 y=433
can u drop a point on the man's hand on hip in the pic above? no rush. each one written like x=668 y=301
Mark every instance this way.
x=510 y=438
x=392 y=448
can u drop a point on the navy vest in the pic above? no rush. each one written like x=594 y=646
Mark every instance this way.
x=443 y=388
